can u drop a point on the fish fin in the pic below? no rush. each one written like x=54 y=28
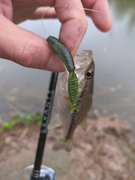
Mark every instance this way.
x=63 y=144
x=55 y=122
x=83 y=124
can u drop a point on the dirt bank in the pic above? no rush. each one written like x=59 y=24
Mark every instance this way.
x=102 y=152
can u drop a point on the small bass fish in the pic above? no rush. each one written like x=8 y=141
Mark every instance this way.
x=84 y=69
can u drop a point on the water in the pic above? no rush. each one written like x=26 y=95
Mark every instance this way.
x=24 y=89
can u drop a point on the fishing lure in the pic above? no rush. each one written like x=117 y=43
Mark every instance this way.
x=67 y=59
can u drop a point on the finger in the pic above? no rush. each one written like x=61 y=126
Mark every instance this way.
x=26 y=48
x=74 y=23
x=47 y=2
x=102 y=20
x=44 y=12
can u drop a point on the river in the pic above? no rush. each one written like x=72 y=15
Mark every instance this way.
x=24 y=89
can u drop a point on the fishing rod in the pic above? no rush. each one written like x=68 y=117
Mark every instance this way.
x=46 y=173
x=38 y=172
x=41 y=172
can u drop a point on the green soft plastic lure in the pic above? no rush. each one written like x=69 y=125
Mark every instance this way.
x=67 y=59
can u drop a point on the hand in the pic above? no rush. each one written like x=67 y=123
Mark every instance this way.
x=29 y=49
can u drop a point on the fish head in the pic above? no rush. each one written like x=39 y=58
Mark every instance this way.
x=85 y=68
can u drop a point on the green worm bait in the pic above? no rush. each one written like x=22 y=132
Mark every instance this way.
x=67 y=59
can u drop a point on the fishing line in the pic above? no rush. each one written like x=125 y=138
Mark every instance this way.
x=67 y=6
x=105 y=46
x=42 y=21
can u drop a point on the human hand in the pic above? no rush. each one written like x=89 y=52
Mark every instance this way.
x=31 y=50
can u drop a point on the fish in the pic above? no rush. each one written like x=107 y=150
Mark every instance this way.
x=84 y=69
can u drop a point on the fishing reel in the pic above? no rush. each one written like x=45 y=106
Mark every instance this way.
x=46 y=174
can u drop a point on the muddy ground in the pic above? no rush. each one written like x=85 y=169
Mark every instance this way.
x=102 y=152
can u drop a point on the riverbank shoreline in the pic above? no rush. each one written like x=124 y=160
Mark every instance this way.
x=103 y=151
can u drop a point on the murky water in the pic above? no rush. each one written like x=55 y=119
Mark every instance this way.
x=24 y=89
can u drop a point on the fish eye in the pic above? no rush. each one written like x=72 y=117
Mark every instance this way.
x=89 y=74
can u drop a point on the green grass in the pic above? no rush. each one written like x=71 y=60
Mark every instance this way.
x=20 y=118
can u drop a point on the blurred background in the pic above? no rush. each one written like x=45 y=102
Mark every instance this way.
x=24 y=89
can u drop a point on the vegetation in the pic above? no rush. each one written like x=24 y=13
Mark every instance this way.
x=20 y=118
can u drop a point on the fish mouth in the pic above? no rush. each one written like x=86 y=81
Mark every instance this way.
x=82 y=59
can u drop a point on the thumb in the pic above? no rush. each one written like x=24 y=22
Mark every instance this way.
x=26 y=48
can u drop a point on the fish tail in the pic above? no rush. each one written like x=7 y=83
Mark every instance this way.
x=63 y=144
